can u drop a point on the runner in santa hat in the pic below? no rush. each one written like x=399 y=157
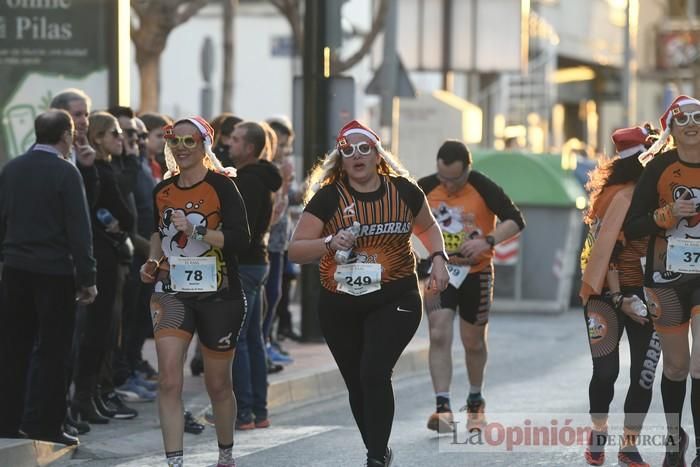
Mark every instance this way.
x=612 y=277
x=672 y=112
x=201 y=229
x=665 y=207
x=205 y=133
x=369 y=304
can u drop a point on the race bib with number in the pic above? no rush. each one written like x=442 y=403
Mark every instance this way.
x=193 y=274
x=457 y=274
x=359 y=278
x=683 y=255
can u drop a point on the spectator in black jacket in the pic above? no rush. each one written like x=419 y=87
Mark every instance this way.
x=45 y=236
x=257 y=181
x=111 y=245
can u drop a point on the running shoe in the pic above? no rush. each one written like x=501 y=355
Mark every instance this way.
x=262 y=423
x=665 y=277
x=629 y=456
x=276 y=357
x=138 y=379
x=245 y=426
x=112 y=406
x=131 y=391
x=476 y=418
x=191 y=424
x=442 y=422
x=147 y=371
x=595 y=451
x=675 y=456
x=232 y=464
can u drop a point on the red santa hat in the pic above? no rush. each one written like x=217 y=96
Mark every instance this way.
x=631 y=141
x=202 y=125
x=675 y=109
x=665 y=120
x=207 y=133
x=355 y=127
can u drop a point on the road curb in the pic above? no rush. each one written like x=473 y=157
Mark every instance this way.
x=31 y=453
x=328 y=382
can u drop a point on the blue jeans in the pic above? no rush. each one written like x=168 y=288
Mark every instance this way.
x=273 y=290
x=249 y=364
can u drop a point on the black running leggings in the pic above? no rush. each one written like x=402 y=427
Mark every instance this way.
x=366 y=336
x=605 y=328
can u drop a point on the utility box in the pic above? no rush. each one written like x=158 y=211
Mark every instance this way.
x=423 y=123
x=541 y=275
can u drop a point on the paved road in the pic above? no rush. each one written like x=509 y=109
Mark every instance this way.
x=538 y=364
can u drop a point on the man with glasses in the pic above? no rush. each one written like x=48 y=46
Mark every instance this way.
x=465 y=204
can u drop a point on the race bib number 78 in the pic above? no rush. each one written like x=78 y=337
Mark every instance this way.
x=193 y=274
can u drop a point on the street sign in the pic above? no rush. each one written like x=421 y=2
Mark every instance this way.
x=49 y=46
x=403 y=89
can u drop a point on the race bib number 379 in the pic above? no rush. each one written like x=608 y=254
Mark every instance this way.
x=683 y=255
x=193 y=274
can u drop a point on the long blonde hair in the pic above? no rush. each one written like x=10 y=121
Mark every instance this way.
x=99 y=123
x=329 y=170
x=270 y=149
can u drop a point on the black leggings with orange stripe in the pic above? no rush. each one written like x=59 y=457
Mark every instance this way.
x=366 y=336
x=605 y=328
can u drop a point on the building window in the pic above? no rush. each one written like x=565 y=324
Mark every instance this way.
x=684 y=8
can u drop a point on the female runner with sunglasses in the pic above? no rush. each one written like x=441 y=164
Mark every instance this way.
x=370 y=307
x=666 y=206
x=201 y=227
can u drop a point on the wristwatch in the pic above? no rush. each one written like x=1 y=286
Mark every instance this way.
x=490 y=240
x=439 y=253
x=199 y=232
x=327 y=242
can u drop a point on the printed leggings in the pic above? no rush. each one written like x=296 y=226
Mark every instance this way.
x=605 y=328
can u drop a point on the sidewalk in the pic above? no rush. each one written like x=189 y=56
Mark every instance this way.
x=313 y=376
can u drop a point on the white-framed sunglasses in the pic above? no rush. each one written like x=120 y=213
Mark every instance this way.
x=682 y=119
x=362 y=148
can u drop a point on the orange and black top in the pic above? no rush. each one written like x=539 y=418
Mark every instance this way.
x=664 y=180
x=626 y=254
x=474 y=208
x=386 y=218
x=214 y=203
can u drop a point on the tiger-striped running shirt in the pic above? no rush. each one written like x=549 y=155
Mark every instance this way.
x=386 y=218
